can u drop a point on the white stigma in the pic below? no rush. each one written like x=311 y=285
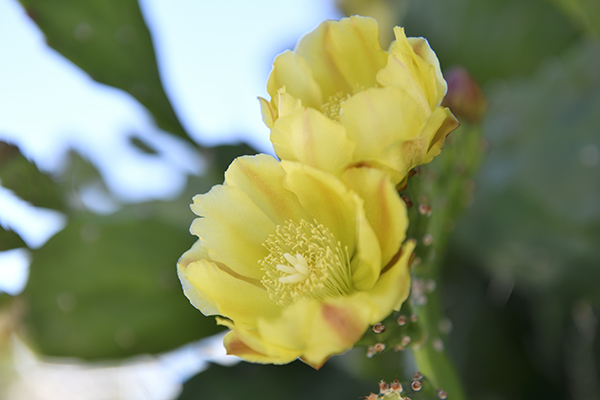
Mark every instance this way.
x=297 y=272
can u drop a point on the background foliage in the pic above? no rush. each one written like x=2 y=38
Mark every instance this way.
x=519 y=277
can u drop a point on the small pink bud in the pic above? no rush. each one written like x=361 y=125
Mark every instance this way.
x=464 y=98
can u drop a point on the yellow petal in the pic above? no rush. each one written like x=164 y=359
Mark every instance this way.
x=230 y=216
x=366 y=263
x=318 y=330
x=287 y=103
x=326 y=199
x=311 y=138
x=393 y=286
x=250 y=337
x=245 y=342
x=235 y=345
x=239 y=299
x=419 y=74
x=427 y=56
x=390 y=291
x=438 y=126
x=261 y=178
x=428 y=143
x=292 y=71
x=344 y=55
x=197 y=252
x=268 y=114
x=378 y=117
x=385 y=210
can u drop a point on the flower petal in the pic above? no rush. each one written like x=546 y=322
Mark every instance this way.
x=378 y=117
x=418 y=73
x=230 y=216
x=261 y=178
x=245 y=342
x=197 y=252
x=308 y=136
x=366 y=263
x=291 y=71
x=287 y=103
x=438 y=126
x=344 y=56
x=393 y=286
x=317 y=330
x=427 y=144
x=427 y=56
x=242 y=300
x=385 y=210
x=327 y=200
x=268 y=114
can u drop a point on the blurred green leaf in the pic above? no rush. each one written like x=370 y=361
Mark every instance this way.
x=22 y=177
x=295 y=381
x=534 y=231
x=10 y=240
x=220 y=157
x=109 y=40
x=141 y=145
x=494 y=38
x=106 y=287
x=537 y=210
x=584 y=13
x=493 y=336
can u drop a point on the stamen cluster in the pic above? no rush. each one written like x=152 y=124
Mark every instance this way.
x=305 y=260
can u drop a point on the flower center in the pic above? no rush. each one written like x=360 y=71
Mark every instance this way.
x=305 y=261
x=333 y=107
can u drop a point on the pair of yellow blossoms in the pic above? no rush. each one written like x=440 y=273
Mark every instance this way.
x=299 y=257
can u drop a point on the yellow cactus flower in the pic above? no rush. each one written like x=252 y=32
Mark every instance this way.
x=338 y=100
x=296 y=262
